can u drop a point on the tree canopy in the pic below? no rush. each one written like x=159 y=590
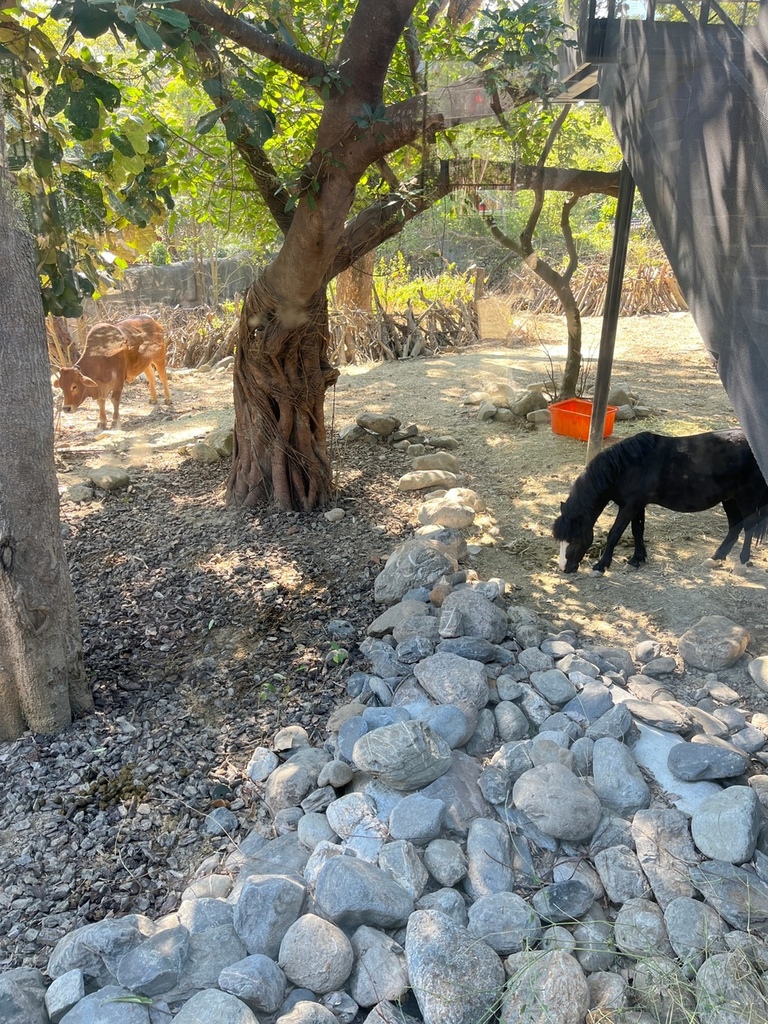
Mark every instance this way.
x=114 y=109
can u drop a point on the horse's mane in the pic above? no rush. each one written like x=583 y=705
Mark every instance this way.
x=589 y=488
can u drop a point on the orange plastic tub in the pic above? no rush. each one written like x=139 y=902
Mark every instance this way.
x=571 y=418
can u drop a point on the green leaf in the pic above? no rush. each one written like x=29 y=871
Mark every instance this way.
x=45 y=154
x=91 y=20
x=207 y=121
x=105 y=91
x=148 y=35
x=57 y=99
x=171 y=17
x=214 y=87
x=122 y=144
x=83 y=112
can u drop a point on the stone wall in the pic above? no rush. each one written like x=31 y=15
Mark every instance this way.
x=177 y=284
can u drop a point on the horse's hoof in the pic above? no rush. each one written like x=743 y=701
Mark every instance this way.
x=740 y=569
x=712 y=563
x=598 y=573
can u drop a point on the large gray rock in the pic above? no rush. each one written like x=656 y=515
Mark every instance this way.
x=554 y=686
x=621 y=874
x=505 y=922
x=665 y=851
x=405 y=756
x=729 y=991
x=22 y=997
x=416 y=818
x=211 y=1007
x=726 y=826
x=419 y=479
x=266 y=908
x=401 y=860
x=395 y=616
x=460 y=793
x=213 y=944
x=453 y=680
x=414 y=563
x=154 y=966
x=544 y=986
x=316 y=954
x=640 y=930
x=96 y=949
x=445 y=860
x=257 y=980
x=695 y=930
x=714 y=643
x=595 y=948
x=489 y=858
x=661 y=988
x=380 y=972
x=737 y=894
x=351 y=892
x=693 y=762
x=558 y=802
x=112 y=1005
x=455 y=977
x=479 y=616
x=379 y=423
x=617 y=779
x=353 y=818
x=62 y=994
x=306 y=1012
x=562 y=901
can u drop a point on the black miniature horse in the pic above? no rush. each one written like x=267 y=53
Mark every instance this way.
x=685 y=474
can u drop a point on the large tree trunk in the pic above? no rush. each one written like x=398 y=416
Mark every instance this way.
x=281 y=376
x=42 y=682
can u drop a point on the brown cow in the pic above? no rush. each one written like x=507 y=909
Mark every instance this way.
x=114 y=354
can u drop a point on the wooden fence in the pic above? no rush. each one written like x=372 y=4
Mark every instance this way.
x=647 y=290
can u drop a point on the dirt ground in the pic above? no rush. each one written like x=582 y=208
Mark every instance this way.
x=524 y=474
x=521 y=473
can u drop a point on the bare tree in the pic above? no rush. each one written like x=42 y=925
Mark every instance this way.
x=584 y=183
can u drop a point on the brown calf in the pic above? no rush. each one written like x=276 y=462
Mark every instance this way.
x=114 y=354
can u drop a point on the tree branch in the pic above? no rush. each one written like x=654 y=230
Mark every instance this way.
x=253 y=39
x=555 y=127
x=570 y=245
x=271 y=189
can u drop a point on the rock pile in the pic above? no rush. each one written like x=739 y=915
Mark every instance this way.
x=504 y=402
x=503 y=820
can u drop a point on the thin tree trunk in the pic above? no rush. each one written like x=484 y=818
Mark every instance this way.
x=42 y=681
x=281 y=375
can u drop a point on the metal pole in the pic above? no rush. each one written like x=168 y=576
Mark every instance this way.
x=611 y=310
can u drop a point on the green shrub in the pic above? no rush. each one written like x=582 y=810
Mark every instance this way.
x=159 y=255
x=396 y=285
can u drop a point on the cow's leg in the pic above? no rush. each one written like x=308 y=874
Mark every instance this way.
x=638 y=533
x=151 y=381
x=116 y=393
x=161 y=373
x=621 y=522
x=102 y=412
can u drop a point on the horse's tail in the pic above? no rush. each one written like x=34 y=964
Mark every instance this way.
x=761 y=527
x=757 y=524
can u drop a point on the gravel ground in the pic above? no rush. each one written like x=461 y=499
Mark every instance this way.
x=207 y=630
x=204 y=631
